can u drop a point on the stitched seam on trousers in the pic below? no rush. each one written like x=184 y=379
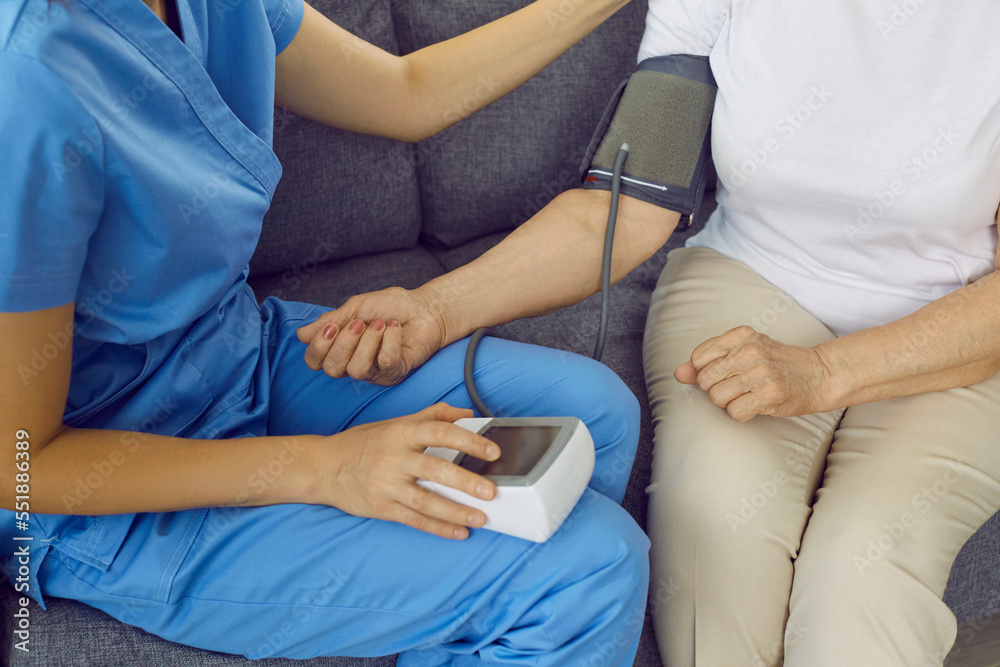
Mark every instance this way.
x=222 y=405
x=184 y=546
x=121 y=596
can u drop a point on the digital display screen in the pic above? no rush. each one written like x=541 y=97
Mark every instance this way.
x=521 y=447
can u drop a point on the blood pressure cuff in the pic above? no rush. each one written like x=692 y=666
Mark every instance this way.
x=663 y=112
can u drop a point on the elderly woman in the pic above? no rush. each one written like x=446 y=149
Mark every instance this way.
x=186 y=468
x=822 y=358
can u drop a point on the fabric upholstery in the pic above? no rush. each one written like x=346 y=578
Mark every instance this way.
x=331 y=176
x=502 y=164
x=348 y=217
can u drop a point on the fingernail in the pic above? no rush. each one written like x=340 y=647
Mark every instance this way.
x=460 y=533
x=394 y=323
x=484 y=491
x=378 y=324
x=357 y=326
x=492 y=451
x=328 y=331
x=476 y=520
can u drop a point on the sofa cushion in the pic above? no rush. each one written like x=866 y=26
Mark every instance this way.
x=974 y=583
x=496 y=168
x=332 y=283
x=331 y=176
x=71 y=634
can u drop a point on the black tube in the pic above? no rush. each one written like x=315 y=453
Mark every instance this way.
x=609 y=239
x=470 y=383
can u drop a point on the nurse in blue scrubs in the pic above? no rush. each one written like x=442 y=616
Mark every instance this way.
x=192 y=470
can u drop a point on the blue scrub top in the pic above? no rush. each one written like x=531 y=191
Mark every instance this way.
x=136 y=172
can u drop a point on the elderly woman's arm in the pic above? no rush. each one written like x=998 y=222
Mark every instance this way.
x=952 y=342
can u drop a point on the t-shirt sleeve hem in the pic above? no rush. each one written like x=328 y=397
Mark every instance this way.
x=22 y=295
x=286 y=23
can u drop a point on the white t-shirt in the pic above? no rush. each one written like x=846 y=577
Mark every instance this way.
x=857 y=144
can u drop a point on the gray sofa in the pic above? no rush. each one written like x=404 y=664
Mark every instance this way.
x=355 y=213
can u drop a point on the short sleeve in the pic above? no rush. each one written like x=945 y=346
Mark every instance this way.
x=683 y=26
x=284 y=17
x=51 y=186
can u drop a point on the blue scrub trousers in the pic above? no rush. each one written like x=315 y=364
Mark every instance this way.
x=301 y=581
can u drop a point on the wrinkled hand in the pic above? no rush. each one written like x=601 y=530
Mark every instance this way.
x=378 y=337
x=750 y=374
x=372 y=470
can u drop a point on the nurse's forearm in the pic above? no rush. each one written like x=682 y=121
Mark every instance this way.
x=453 y=78
x=551 y=261
x=96 y=471
x=333 y=77
x=952 y=342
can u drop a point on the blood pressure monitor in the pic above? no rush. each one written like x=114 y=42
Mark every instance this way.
x=545 y=464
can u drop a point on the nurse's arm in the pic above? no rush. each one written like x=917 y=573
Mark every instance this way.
x=370 y=470
x=329 y=75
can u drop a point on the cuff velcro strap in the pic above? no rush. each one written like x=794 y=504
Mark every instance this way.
x=663 y=112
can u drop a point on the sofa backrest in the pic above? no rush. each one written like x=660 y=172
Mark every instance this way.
x=352 y=194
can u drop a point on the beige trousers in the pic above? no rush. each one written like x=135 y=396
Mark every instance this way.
x=823 y=540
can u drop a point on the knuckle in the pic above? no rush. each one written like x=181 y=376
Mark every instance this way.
x=438 y=432
x=332 y=368
x=774 y=392
x=431 y=470
x=312 y=360
x=416 y=520
x=358 y=370
x=419 y=499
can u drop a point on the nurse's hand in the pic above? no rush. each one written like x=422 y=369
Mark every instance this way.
x=750 y=374
x=372 y=470
x=378 y=337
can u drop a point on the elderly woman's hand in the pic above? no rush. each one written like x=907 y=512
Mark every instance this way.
x=750 y=374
